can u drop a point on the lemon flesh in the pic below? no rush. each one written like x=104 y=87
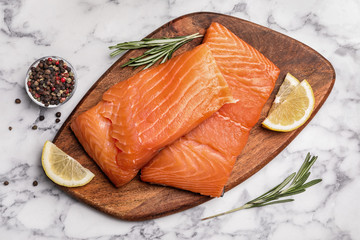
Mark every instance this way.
x=63 y=169
x=288 y=85
x=293 y=111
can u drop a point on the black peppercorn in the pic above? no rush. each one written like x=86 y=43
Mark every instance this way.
x=41 y=118
x=35 y=183
x=57 y=120
x=34 y=127
x=17 y=101
x=48 y=77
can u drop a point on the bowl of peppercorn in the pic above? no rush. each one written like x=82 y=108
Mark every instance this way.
x=50 y=81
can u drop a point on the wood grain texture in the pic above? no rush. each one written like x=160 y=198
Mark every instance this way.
x=140 y=201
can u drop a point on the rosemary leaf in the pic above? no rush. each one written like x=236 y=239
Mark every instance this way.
x=291 y=193
x=301 y=180
x=297 y=186
x=311 y=183
x=275 y=190
x=159 y=49
x=275 y=202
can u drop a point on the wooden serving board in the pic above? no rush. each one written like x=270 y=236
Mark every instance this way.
x=140 y=201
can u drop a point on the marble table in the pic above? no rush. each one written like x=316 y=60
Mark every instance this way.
x=81 y=31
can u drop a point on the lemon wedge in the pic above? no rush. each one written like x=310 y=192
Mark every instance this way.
x=293 y=111
x=63 y=169
x=289 y=83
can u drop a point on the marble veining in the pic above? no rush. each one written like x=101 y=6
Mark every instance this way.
x=81 y=31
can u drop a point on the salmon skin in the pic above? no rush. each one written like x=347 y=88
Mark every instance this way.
x=202 y=160
x=151 y=110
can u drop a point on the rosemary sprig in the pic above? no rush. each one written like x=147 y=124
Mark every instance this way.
x=297 y=186
x=160 y=48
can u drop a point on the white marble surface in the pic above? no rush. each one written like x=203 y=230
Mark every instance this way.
x=81 y=31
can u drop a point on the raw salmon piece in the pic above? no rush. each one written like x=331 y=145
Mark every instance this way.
x=202 y=160
x=199 y=162
x=151 y=110
x=157 y=106
x=93 y=132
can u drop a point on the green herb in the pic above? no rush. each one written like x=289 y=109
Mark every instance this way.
x=297 y=186
x=161 y=48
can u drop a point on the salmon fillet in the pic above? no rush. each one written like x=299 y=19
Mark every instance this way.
x=93 y=132
x=202 y=160
x=154 y=108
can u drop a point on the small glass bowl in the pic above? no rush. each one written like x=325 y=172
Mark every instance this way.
x=34 y=65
